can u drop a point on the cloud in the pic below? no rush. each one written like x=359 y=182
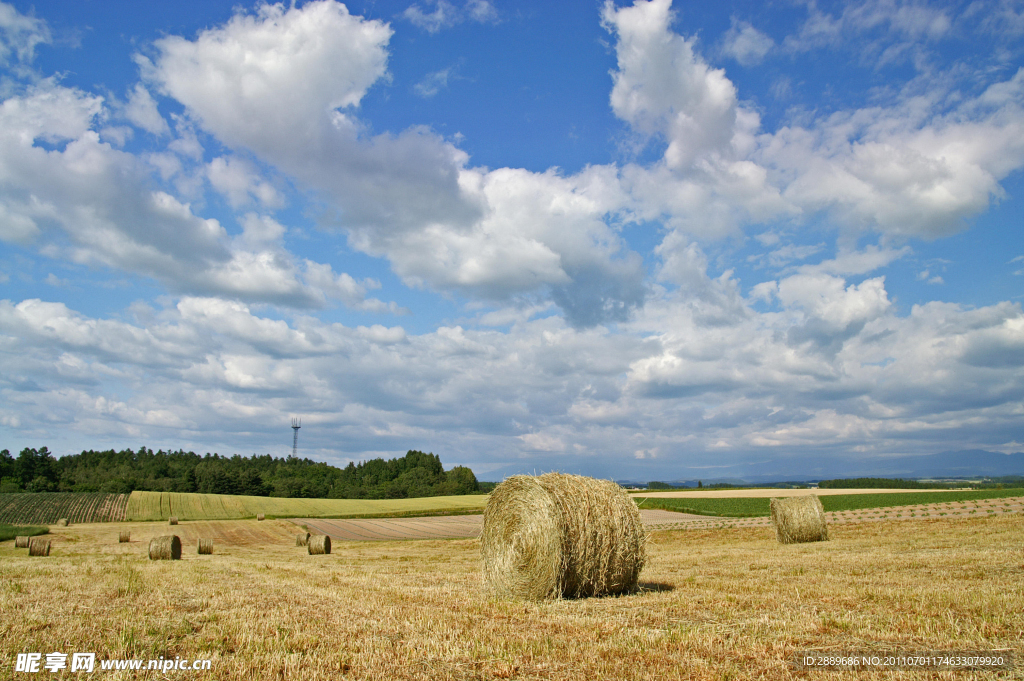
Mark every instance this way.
x=411 y=196
x=96 y=205
x=20 y=34
x=746 y=44
x=433 y=82
x=446 y=15
x=239 y=183
x=141 y=110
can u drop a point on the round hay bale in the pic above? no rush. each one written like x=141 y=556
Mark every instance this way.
x=124 y=537
x=556 y=535
x=302 y=539
x=39 y=547
x=259 y=516
x=63 y=522
x=173 y=520
x=205 y=547
x=167 y=547
x=318 y=544
x=21 y=542
x=799 y=519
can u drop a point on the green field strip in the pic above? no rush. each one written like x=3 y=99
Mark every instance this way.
x=753 y=507
x=147 y=506
x=8 y=532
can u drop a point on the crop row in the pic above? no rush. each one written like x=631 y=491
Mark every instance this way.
x=46 y=508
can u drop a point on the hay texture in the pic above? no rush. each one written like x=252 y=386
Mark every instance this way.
x=558 y=535
x=205 y=547
x=21 y=542
x=799 y=519
x=165 y=548
x=63 y=522
x=124 y=536
x=302 y=539
x=173 y=520
x=39 y=547
x=259 y=516
x=318 y=544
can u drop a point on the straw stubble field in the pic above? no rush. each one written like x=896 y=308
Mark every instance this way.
x=717 y=603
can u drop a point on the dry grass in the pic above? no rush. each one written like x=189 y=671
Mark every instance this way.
x=717 y=604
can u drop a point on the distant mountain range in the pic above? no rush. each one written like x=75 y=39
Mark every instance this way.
x=953 y=464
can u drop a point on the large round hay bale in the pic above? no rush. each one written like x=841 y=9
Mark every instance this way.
x=39 y=547
x=21 y=542
x=799 y=519
x=259 y=516
x=173 y=520
x=318 y=544
x=302 y=539
x=556 y=535
x=205 y=547
x=124 y=536
x=63 y=522
x=167 y=547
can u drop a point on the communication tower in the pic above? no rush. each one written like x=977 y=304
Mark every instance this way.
x=296 y=424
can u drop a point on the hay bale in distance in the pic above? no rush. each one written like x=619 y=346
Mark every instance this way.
x=173 y=520
x=21 y=542
x=318 y=544
x=556 y=535
x=167 y=547
x=205 y=547
x=38 y=547
x=259 y=516
x=124 y=536
x=799 y=519
x=63 y=522
x=302 y=539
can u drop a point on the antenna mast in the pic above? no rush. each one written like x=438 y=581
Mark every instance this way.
x=296 y=424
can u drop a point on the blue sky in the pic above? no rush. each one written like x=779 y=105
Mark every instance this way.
x=638 y=240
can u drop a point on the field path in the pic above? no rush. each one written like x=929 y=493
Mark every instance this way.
x=469 y=526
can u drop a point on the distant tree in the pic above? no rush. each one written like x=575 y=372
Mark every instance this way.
x=659 y=485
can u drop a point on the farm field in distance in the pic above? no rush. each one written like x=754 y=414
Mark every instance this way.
x=163 y=505
x=717 y=603
x=753 y=505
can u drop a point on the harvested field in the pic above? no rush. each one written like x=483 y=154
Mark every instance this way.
x=465 y=526
x=717 y=603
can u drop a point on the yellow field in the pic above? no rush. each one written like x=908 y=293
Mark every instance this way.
x=716 y=604
x=162 y=505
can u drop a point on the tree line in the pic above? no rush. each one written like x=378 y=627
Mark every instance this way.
x=414 y=475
